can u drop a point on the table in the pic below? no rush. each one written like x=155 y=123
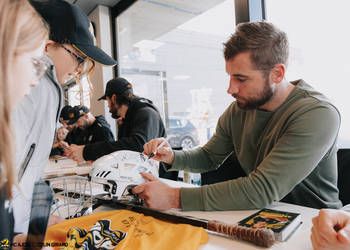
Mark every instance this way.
x=299 y=240
x=62 y=166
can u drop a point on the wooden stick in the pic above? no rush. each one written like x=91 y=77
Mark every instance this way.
x=258 y=236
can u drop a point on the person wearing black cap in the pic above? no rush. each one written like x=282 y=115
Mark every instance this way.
x=64 y=117
x=139 y=121
x=93 y=129
x=70 y=52
x=74 y=134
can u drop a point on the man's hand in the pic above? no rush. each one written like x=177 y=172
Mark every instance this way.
x=157 y=194
x=63 y=144
x=331 y=230
x=164 y=153
x=75 y=152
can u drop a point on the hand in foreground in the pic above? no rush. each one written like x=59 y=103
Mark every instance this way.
x=75 y=152
x=164 y=153
x=331 y=230
x=157 y=194
x=63 y=144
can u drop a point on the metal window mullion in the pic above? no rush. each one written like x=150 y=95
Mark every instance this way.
x=249 y=10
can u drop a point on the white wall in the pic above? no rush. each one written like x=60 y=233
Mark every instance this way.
x=101 y=75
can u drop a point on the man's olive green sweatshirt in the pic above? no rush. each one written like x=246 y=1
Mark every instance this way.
x=288 y=154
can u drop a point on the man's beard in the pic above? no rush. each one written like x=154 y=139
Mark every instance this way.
x=254 y=103
x=114 y=111
x=115 y=115
x=85 y=124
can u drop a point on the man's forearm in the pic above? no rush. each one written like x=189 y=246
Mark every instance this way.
x=177 y=198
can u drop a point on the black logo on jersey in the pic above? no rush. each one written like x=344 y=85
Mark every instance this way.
x=100 y=236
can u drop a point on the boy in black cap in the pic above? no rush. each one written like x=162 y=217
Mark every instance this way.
x=75 y=134
x=94 y=129
x=139 y=121
x=68 y=53
x=64 y=117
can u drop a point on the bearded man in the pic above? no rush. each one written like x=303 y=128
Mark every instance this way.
x=138 y=122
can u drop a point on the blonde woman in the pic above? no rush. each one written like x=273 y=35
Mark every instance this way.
x=71 y=53
x=60 y=144
x=22 y=40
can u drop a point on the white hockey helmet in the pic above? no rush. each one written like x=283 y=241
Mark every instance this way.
x=121 y=169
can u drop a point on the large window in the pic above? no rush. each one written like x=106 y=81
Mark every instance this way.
x=171 y=51
x=319 y=36
x=79 y=94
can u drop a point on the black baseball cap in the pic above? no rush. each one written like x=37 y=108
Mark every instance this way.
x=65 y=112
x=76 y=112
x=116 y=86
x=69 y=24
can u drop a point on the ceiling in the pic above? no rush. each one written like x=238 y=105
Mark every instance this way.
x=88 y=5
x=150 y=19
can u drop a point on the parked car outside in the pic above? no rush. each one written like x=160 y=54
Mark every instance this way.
x=182 y=133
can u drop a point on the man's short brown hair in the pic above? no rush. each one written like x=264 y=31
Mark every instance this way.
x=268 y=45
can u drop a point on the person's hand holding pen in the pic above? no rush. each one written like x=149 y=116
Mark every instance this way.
x=155 y=193
x=159 y=149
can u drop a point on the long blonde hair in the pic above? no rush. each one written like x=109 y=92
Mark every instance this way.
x=21 y=30
x=89 y=67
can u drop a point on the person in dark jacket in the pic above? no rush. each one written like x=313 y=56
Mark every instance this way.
x=75 y=134
x=138 y=119
x=93 y=129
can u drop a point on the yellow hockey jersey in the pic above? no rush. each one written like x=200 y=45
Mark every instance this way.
x=123 y=229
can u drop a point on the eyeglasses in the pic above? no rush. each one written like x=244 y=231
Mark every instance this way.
x=39 y=67
x=79 y=59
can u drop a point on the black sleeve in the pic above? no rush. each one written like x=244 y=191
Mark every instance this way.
x=56 y=151
x=103 y=133
x=146 y=126
x=69 y=138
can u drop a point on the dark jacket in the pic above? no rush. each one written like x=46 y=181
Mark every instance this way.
x=98 y=131
x=75 y=137
x=142 y=123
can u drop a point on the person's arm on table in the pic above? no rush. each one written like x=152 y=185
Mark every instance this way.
x=331 y=230
x=264 y=186
x=153 y=189
x=298 y=151
x=75 y=152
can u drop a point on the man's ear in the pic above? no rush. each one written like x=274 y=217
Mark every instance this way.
x=49 y=44
x=114 y=98
x=277 y=73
